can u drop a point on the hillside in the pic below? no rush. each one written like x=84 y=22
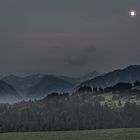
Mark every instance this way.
x=8 y=93
x=22 y=84
x=80 y=111
x=129 y=74
x=48 y=85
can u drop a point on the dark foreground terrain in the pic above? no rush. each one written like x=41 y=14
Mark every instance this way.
x=112 y=134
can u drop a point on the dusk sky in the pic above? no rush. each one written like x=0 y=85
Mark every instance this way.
x=68 y=37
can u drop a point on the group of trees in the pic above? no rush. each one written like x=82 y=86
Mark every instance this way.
x=67 y=113
x=122 y=86
x=70 y=112
x=84 y=89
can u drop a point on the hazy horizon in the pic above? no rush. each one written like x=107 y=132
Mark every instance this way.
x=62 y=74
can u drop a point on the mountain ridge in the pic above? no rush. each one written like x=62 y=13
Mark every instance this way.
x=8 y=93
x=48 y=85
x=128 y=74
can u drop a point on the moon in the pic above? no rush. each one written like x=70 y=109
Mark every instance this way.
x=132 y=13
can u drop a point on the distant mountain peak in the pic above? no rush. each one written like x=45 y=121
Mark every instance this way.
x=90 y=75
x=93 y=73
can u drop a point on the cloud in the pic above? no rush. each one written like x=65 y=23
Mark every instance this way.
x=81 y=57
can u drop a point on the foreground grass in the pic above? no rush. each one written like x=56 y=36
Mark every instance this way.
x=113 y=134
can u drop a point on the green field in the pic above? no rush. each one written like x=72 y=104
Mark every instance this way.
x=113 y=134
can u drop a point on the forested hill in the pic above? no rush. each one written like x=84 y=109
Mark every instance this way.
x=80 y=111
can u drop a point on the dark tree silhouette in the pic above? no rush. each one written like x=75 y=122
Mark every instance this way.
x=85 y=89
x=122 y=86
x=137 y=83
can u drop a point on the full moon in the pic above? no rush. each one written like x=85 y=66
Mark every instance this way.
x=132 y=13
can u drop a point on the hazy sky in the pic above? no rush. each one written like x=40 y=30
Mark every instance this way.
x=69 y=37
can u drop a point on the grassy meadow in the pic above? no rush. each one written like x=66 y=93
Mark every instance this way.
x=112 y=134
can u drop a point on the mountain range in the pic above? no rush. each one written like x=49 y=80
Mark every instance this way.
x=40 y=85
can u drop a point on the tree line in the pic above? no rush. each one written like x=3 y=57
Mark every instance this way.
x=119 y=87
x=65 y=112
